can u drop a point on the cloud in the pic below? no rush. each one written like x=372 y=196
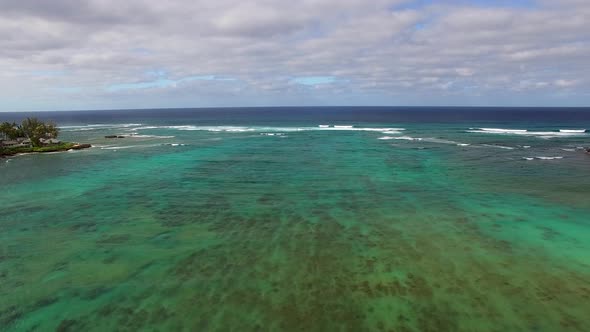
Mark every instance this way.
x=262 y=52
x=566 y=83
x=163 y=82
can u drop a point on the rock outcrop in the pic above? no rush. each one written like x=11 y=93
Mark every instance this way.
x=81 y=146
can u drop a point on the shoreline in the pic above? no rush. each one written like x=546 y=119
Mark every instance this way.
x=67 y=146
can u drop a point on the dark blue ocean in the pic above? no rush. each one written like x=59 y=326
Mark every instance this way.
x=533 y=115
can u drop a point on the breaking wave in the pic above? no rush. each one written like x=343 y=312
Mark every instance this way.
x=146 y=136
x=571 y=131
x=525 y=132
x=501 y=130
x=408 y=138
x=101 y=126
x=426 y=139
x=241 y=129
x=543 y=158
x=139 y=146
x=499 y=146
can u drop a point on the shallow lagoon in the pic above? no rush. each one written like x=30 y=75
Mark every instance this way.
x=218 y=228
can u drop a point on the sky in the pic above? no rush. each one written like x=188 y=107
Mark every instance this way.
x=113 y=54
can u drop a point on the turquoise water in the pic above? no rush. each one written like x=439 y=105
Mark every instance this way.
x=283 y=225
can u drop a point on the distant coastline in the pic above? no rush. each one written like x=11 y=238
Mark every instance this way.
x=64 y=146
x=33 y=136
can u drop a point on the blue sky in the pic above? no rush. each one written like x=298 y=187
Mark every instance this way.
x=59 y=55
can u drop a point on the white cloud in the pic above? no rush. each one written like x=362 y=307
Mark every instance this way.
x=370 y=48
x=565 y=83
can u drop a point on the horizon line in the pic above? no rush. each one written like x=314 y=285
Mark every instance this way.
x=262 y=107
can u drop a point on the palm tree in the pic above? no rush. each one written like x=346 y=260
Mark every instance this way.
x=4 y=129
x=35 y=130
x=51 y=130
x=9 y=130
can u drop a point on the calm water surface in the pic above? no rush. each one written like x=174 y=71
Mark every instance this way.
x=415 y=219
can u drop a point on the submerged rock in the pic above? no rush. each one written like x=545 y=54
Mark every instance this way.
x=114 y=136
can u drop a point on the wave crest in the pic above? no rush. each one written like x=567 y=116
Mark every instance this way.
x=525 y=132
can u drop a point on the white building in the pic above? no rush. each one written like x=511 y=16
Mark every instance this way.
x=19 y=142
x=49 y=141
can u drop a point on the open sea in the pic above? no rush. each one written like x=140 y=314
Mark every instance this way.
x=301 y=219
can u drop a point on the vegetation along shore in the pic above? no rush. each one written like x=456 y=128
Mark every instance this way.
x=33 y=136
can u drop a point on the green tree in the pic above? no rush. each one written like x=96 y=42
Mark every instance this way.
x=51 y=130
x=9 y=130
x=35 y=130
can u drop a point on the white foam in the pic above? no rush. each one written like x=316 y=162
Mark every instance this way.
x=554 y=134
x=441 y=141
x=528 y=158
x=498 y=146
x=240 y=129
x=228 y=129
x=148 y=127
x=549 y=158
x=281 y=129
x=572 y=130
x=569 y=150
x=351 y=128
x=408 y=138
x=431 y=140
x=541 y=134
x=146 y=136
x=502 y=130
x=425 y=139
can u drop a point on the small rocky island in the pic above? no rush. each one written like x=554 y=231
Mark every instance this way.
x=31 y=136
